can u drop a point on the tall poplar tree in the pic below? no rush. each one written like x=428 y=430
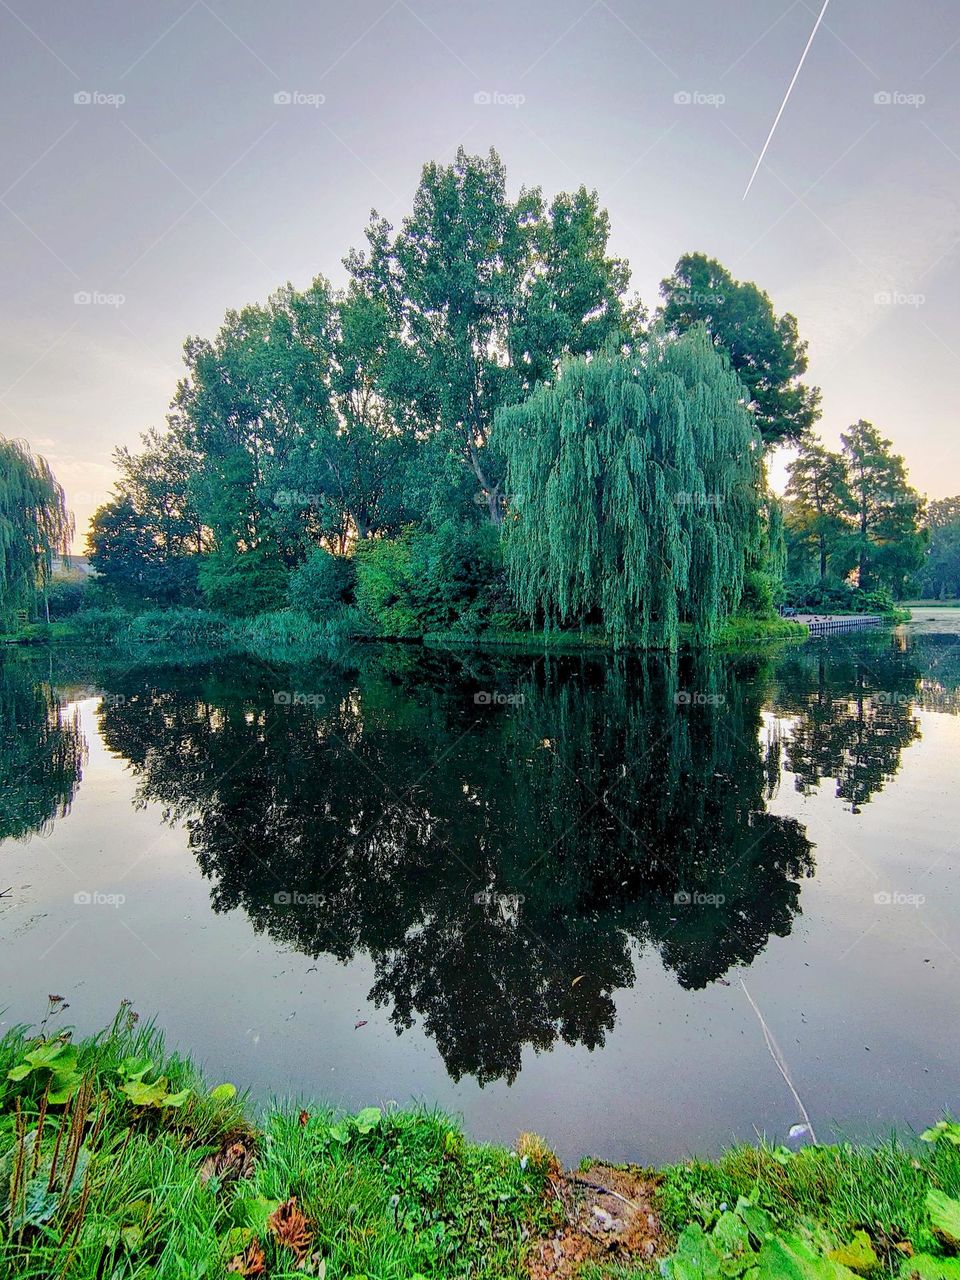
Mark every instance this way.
x=634 y=491
x=821 y=503
x=889 y=537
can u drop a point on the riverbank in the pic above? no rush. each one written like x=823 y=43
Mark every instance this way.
x=296 y=638
x=141 y=1169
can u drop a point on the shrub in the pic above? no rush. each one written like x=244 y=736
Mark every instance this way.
x=66 y=596
x=385 y=585
x=839 y=597
x=247 y=583
x=322 y=584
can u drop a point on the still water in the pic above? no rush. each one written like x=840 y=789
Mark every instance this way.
x=643 y=907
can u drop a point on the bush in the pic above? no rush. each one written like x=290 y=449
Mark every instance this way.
x=757 y=597
x=247 y=583
x=66 y=596
x=838 y=597
x=322 y=584
x=385 y=585
x=432 y=580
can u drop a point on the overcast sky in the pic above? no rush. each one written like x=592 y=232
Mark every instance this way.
x=181 y=188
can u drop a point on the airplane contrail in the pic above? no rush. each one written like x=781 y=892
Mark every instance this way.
x=786 y=98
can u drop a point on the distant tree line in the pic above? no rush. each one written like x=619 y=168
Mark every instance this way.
x=852 y=518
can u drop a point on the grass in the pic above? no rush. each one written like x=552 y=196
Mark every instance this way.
x=132 y=1176
x=142 y=1172
x=735 y=632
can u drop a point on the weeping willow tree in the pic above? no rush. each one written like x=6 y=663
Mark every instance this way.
x=636 y=486
x=34 y=526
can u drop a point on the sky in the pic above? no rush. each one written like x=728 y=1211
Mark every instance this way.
x=165 y=162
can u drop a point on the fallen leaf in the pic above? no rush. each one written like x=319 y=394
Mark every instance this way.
x=249 y=1263
x=290 y=1228
x=579 y=978
x=361 y=1023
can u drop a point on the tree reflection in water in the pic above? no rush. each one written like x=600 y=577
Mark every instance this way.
x=502 y=837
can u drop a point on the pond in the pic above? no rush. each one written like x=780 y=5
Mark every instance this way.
x=644 y=907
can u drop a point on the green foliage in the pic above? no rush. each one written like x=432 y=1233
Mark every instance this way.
x=820 y=510
x=390 y=1194
x=243 y=583
x=385 y=589
x=322 y=584
x=826 y=1194
x=634 y=488
x=765 y=350
x=839 y=597
x=939 y=576
x=488 y=294
x=66 y=597
x=889 y=539
x=34 y=526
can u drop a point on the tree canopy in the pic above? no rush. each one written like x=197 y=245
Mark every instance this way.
x=634 y=488
x=765 y=350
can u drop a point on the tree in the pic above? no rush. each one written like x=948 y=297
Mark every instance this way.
x=145 y=542
x=34 y=526
x=889 y=539
x=939 y=577
x=765 y=350
x=635 y=488
x=821 y=503
x=486 y=295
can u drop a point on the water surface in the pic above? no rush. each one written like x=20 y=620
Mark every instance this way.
x=617 y=902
